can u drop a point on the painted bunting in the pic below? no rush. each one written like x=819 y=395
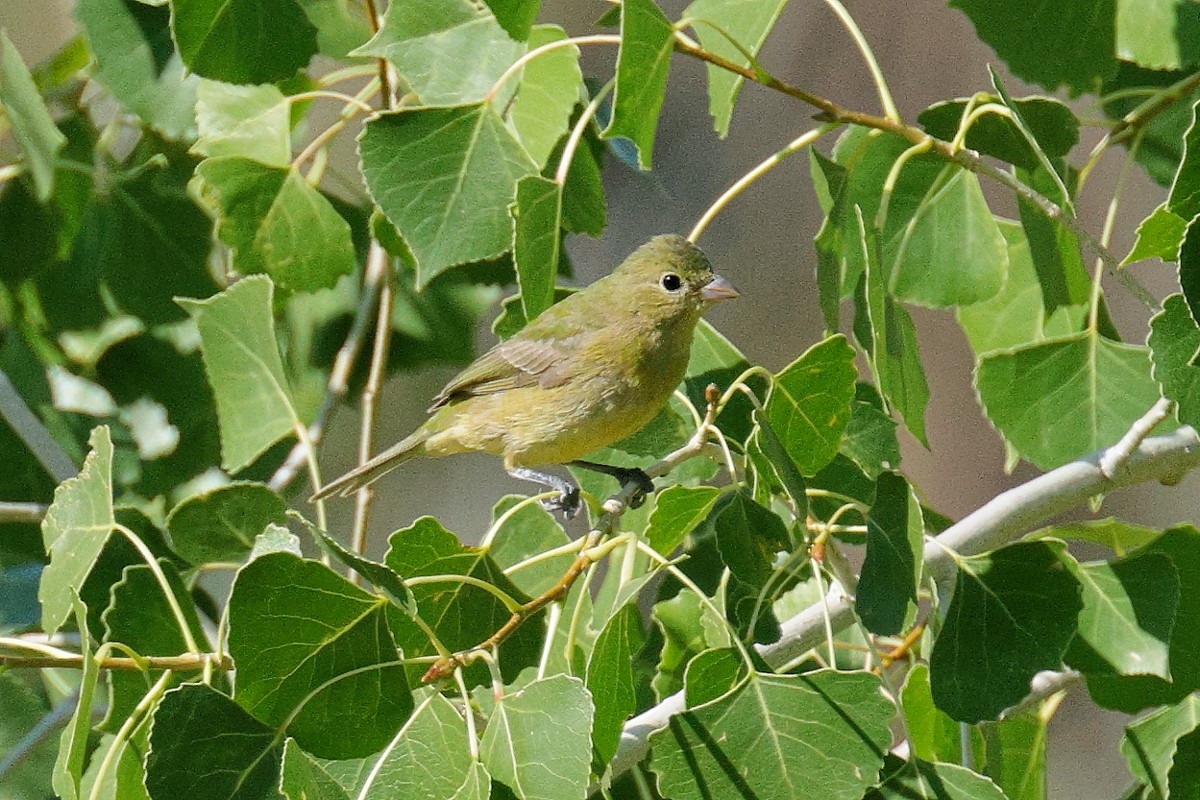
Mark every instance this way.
x=587 y=372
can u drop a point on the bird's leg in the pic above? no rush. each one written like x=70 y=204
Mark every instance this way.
x=567 y=502
x=623 y=475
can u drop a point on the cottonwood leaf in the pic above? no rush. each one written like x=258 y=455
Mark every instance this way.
x=777 y=737
x=538 y=740
x=1150 y=743
x=547 y=92
x=1174 y=341
x=677 y=512
x=537 y=215
x=245 y=121
x=75 y=529
x=1013 y=614
x=202 y=743
x=1059 y=399
x=303 y=778
x=647 y=41
x=314 y=654
x=612 y=678
x=243 y=41
x=447 y=51
x=809 y=403
x=1051 y=122
x=433 y=170
x=748 y=537
x=1158 y=236
x=890 y=572
x=241 y=358
x=222 y=524
x=29 y=119
x=921 y=779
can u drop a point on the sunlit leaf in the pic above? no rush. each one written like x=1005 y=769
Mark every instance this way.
x=612 y=678
x=246 y=121
x=1158 y=236
x=28 y=117
x=549 y=88
x=537 y=214
x=243 y=41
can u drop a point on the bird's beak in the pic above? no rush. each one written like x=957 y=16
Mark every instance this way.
x=718 y=289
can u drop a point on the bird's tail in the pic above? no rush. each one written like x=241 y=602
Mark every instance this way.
x=374 y=469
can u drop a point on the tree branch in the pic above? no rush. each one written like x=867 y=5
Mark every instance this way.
x=1165 y=459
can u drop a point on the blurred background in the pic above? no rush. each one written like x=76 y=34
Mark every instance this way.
x=763 y=243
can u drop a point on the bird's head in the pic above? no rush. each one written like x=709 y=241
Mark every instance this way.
x=671 y=276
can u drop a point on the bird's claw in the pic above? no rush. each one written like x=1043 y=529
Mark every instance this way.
x=568 y=502
x=645 y=486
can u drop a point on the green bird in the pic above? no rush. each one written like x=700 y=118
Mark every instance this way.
x=587 y=372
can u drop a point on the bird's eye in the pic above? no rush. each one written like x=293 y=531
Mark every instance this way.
x=671 y=282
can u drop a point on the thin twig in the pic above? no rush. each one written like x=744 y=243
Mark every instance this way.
x=22 y=512
x=30 y=430
x=189 y=662
x=1119 y=453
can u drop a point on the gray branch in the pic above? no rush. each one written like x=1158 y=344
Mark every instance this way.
x=1165 y=459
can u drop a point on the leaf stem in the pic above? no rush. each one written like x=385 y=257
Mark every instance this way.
x=185 y=629
x=864 y=47
x=574 y=41
x=1110 y=219
x=740 y=185
x=509 y=601
x=135 y=718
x=344 y=98
x=22 y=512
x=568 y=153
x=65 y=660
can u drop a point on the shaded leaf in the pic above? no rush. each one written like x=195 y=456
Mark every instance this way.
x=204 y=743
x=1113 y=533
x=1189 y=266
x=516 y=16
x=677 y=512
x=22 y=711
x=1150 y=743
x=1158 y=236
x=1013 y=613
x=895 y=537
x=612 y=678
x=715 y=360
x=647 y=41
x=536 y=214
x=241 y=358
x=1053 y=125
x=921 y=779
x=932 y=735
x=221 y=524
x=243 y=41
x=303 y=778
x=314 y=653
x=1174 y=341
x=73 y=741
x=1184 y=199
x=748 y=536
x=712 y=674
x=527 y=532
x=431 y=169
x=870 y=438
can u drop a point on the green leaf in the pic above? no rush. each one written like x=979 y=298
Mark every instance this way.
x=1156 y=33
x=1013 y=613
x=381 y=576
x=715 y=360
x=29 y=119
x=538 y=740
x=74 y=530
x=870 y=439
x=275 y=539
x=748 y=24
x=1129 y=608
x=1070 y=43
x=73 y=741
x=1174 y=341
x=932 y=735
x=748 y=536
x=1115 y=534
x=1189 y=266
x=780 y=464
x=245 y=121
x=438 y=169
x=891 y=341
x=22 y=711
x=688 y=627
x=548 y=91
x=1017 y=314
x=1150 y=743
x=460 y=615
x=204 y=744
x=584 y=209
x=1053 y=125
x=887 y=585
x=241 y=358
x=612 y=678
x=777 y=737
x=314 y=654
x=243 y=41
x=712 y=674
x=341 y=26
x=536 y=217
x=1059 y=399
x=1015 y=752
x=303 y=778
x=127 y=41
x=1158 y=236
x=647 y=41
x=275 y=222
x=1163 y=140
x=221 y=524
x=422 y=37
x=920 y=779
x=428 y=758
x=677 y=512
x=952 y=252
x=1184 y=199
x=517 y=17
x=809 y=403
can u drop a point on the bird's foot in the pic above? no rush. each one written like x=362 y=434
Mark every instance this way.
x=624 y=476
x=568 y=502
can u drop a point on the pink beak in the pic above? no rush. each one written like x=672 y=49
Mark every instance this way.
x=718 y=289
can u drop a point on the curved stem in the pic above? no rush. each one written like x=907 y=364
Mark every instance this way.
x=893 y=177
x=516 y=66
x=500 y=522
x=131 y=722
x=973 y=115
x=316 y=93
x=509 y=601
x=797 y=144
x=1110 y=219
x=568 y=153
x=864 y=47
x=185 y=629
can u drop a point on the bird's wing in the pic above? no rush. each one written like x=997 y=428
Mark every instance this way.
x=509 y=365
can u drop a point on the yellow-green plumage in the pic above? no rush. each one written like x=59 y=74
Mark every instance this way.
x=587 y=372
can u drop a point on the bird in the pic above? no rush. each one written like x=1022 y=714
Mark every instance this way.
x=585 y=373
